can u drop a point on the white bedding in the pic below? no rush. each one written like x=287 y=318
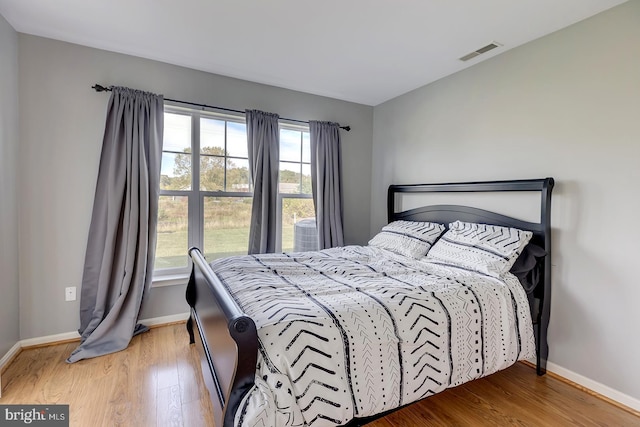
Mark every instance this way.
x=355 y=331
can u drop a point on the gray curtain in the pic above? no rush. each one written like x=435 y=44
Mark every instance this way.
x=263 y=139
x=326 y=182
x=122 y=236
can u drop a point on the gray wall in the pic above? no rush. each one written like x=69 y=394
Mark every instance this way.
x=61 y=125
x=568 y=106
x=9 y=290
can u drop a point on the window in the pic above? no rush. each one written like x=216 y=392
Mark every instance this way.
x=206 y=192
x=295 y=204
x=205 y=189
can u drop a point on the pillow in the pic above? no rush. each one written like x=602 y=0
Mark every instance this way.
x=487 y=249
x=408 y=238
x=524 y=267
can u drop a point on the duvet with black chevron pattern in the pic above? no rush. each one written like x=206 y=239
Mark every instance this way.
x=351 y=332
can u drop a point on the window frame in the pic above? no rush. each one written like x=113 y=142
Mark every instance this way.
x=195 y=196
x=282 y=196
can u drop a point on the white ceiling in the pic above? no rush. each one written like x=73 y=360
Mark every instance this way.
x=365 y=51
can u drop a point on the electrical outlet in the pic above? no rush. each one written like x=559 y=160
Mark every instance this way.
x=70 y=293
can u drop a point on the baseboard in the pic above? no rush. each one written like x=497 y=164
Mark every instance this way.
x=50 y=340
x=165 y=320
x=74 y=336
x=615 y=397
x=11 y=354
x=7 y=359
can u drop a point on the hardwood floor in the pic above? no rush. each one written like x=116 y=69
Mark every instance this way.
x=157 y=382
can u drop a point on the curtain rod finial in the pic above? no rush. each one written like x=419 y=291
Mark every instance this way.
x=100 y=88
x=347 y=128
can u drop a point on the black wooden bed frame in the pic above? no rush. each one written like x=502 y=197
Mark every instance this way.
x=227 y=339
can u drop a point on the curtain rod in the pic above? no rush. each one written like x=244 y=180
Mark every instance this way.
x=100 y=88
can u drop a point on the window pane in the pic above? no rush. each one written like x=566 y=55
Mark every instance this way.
x=238 y=178
x=306 y=147
x=298 y=225
x=175 y=172
x=290 y=149
x=289 y=181
x=226 y=226
x=172 y=245
x=177 y=133
x=211 y=173
x=211 y=136
x=306 y=179
x=237 y=139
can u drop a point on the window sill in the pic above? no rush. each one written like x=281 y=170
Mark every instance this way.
x=170 y=280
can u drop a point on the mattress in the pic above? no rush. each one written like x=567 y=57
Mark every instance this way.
x=356 y=331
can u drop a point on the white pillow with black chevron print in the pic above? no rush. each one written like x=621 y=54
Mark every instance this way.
x=408 y=238
x=488 y=249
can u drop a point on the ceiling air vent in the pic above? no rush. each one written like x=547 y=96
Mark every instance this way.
x=480 y=51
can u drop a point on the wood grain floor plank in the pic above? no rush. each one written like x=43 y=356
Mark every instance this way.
x=189 y=376
x=157 y=381
x=143 y=384
x=170 y=407
x=166 y=363
x=197 y=412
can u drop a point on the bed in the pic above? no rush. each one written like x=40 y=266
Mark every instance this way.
x=346 y=335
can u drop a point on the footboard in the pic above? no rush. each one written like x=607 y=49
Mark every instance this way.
x=226 y=339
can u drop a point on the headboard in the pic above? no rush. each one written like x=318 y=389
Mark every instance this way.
x=540 y=296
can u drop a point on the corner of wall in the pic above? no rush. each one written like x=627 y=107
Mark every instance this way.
x=9 y=147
